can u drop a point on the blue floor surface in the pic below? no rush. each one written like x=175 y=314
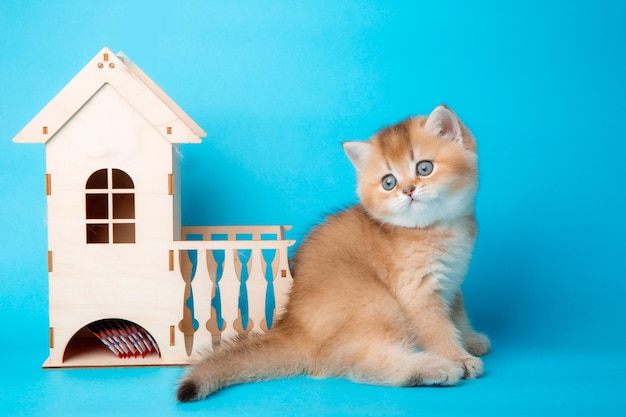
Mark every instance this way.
x=518 y=382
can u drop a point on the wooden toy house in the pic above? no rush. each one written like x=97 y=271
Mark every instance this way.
x=128 y=284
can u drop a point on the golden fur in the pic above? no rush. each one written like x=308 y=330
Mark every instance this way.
x=376 y=295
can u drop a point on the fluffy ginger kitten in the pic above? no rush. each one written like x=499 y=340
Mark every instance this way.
x=376 y=295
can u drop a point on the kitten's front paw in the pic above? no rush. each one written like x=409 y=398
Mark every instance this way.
x=440 y=372
x=477 y=344
x=473 y=367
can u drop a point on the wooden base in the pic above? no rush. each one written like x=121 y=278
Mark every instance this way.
x=86 y=351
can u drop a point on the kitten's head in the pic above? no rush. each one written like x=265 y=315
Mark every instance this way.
x=417 y=172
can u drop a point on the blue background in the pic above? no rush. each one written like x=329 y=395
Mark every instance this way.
x=277 y=86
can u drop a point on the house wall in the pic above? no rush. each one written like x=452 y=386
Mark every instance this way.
x=176 y=189
x=93 y=281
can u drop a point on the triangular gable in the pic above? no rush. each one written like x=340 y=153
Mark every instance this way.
x=131 y=83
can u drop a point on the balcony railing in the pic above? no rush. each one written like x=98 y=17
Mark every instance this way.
x=237 y=280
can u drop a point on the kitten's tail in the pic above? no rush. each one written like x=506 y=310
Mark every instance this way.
x=255 y=358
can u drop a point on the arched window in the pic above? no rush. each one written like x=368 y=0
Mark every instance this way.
x=110 y=207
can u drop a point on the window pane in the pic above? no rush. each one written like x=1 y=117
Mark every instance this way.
x=97 y=233
x=122 y=179
x=123 y=232
x=123 y=206
x=98 y=180
x=97 y=206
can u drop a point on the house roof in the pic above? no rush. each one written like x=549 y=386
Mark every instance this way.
x=131 y=83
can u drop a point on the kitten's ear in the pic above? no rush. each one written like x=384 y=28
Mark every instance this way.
x=357 y=153
x=442 y=122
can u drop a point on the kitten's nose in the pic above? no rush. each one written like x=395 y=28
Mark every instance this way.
x=408 y=190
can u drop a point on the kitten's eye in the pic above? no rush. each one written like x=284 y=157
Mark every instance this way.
x=424 y=168
x=389 y=182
